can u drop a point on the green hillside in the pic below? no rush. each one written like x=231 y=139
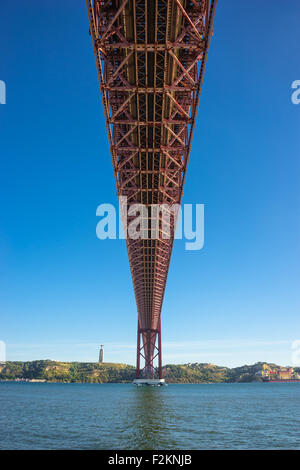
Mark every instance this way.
x=54 y=371
x=90 y=372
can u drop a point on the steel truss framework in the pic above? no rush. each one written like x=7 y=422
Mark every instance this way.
x=150 y=57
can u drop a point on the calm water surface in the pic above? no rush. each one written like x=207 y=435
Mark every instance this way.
x=116 y=416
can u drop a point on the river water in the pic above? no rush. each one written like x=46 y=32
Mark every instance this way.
x=123 y=416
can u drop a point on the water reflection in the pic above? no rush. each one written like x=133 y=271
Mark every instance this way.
x=151 y=419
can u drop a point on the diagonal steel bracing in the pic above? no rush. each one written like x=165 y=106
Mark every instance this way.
x=150 y=57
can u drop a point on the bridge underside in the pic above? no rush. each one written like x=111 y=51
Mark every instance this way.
x=150 y=57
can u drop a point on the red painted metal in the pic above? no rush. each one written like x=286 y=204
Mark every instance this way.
x=138 y=356
x=150 y=57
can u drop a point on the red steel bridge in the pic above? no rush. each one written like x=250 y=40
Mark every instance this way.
x=150 y=57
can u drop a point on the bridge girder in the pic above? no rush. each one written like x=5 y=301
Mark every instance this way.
x=150 y=57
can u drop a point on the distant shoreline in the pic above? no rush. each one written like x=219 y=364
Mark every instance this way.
x=131 y=382
x=47 y=371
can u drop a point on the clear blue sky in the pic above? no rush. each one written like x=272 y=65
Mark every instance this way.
x=63 y=291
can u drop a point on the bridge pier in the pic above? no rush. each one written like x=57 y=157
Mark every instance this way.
x=148 y=349
x=157 y=382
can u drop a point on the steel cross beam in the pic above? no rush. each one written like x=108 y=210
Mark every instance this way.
x=150 y=57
